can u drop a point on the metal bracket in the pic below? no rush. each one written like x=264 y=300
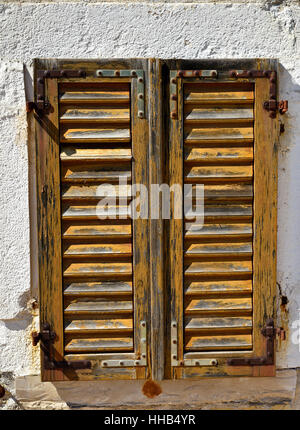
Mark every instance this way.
x=271 y=105
x=46 y=337
x=125 y=73
x=186 y=362
x=138 y=361
x=174 y=74
x=269 y=332
x=41 y=105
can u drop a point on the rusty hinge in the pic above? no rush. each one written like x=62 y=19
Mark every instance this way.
x=274 y=106
x=271 y=105
x=46 y=337
x=42 y=105
x=269 y=332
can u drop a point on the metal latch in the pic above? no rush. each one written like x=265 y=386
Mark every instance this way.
x=138 y=361
x=46 y=337
x=186 y=362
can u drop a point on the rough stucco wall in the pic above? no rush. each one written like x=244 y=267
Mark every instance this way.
x=85 y=29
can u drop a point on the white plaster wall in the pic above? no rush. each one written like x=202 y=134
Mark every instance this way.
x=86 y=29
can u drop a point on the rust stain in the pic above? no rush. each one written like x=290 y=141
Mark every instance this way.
x=151 y=389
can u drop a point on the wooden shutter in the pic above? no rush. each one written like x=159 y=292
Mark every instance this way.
x=131 y=299
x=93 y=272
x=223 y=274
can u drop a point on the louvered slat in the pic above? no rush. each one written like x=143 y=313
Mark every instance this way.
x=218 y=152
x=95 y=139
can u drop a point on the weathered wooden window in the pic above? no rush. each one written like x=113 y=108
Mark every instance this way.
x=133 y=298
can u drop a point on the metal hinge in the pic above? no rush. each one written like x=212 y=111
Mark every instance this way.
x=274 y=106
x=46 y=337
x=127 y=73
x=140 y=360
x=271 y=105
x=269 y=332
x=186 y=362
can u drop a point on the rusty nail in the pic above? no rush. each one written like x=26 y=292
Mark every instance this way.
x=173 y=97
x=180 y=73
x=232 y=74
x=99 y=73
x=174 y=116
x=175 y=357
x=174 y=324
x=140 y=96
x=173 y=81
x=143 y=355
x=143 y=324
x=104 y=363
x=140 y=114
x=117 y=73
x=133 y=73
x=213 y=74
x=174 y=341
x=121 y=363
x=140 y=80
x=196 y=73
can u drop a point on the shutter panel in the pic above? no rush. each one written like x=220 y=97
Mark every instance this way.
x=221 y=293
x=215 y=318
x=98 y=303
x=100 y=294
